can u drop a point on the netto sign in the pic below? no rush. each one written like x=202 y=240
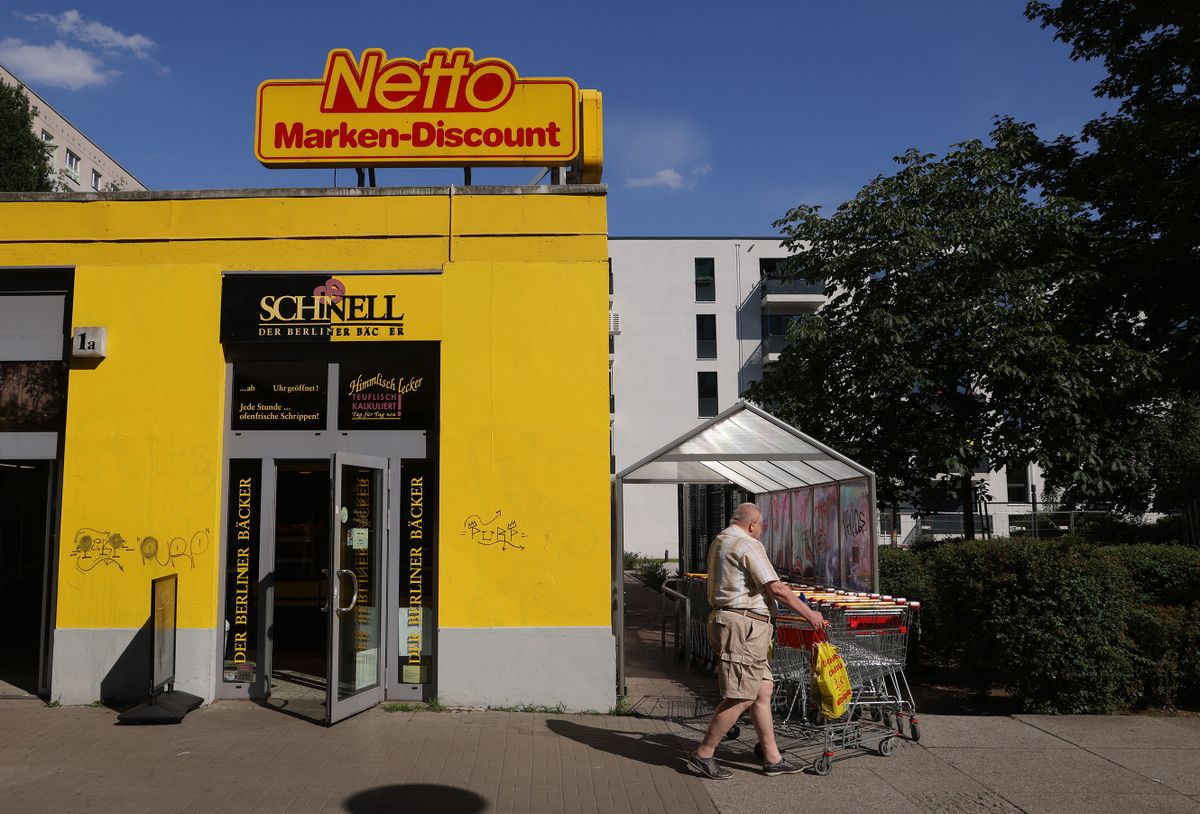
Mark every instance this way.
x=446 y=110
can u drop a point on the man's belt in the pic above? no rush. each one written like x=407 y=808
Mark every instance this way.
x=762 y=617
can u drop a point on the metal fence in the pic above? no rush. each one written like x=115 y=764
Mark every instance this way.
x=990 y=519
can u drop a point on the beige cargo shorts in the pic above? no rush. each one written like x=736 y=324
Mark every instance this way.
x=742 y=647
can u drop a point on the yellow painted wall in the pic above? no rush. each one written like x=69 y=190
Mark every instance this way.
x=524 y=426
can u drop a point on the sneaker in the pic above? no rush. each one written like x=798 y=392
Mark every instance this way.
x=782 y=767
x=708 y=767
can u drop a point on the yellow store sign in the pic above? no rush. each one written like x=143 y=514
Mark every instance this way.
x=446 y=110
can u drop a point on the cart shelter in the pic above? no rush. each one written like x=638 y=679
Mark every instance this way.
x=819 y=505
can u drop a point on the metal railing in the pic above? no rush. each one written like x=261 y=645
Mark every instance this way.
x=676 y=599
x=790 y=285
x=1038 y=520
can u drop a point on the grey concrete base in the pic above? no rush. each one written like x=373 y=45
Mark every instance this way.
x=114 y=664
x=509 y=666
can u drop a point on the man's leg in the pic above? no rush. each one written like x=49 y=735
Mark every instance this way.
x=760 y=716
x=724 y=717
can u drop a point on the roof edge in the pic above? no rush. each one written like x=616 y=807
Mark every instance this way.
x=302 y=192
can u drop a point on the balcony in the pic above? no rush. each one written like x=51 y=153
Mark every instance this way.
x=772 y=346
x=790 y=295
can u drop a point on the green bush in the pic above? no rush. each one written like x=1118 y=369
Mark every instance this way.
x=1161 y=574
x=902 y=573
x=652 y=573
x=631 y=560
x=1165 y=642
x=1043 y=620
x=1121 y=531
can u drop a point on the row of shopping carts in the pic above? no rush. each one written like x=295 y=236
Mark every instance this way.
x=871 y=633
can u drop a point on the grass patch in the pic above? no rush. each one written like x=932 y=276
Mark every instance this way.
x=622 y=707
x=557 y=708
x=403 y=707
x=432 y=705
x=53 y=704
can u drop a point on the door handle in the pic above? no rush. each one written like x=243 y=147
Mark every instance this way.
x=354 y=590
x=325 y=607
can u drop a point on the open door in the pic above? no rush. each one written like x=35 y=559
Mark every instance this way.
x=356 y=604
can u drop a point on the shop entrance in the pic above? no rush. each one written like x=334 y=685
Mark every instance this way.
x=320 y=616
x=25 y=492
x=328 y=589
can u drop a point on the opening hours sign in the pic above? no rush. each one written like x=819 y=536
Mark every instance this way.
x=448 y=109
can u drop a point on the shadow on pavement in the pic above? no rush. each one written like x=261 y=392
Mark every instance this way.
x=651 y=748
x=415 y=798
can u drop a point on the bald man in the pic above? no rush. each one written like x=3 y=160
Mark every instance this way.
x=740 y=578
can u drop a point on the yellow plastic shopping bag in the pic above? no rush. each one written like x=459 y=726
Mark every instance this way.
x=830 y=679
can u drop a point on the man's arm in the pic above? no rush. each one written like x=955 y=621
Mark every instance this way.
x=784 y=596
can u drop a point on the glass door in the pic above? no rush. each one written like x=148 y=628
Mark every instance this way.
x=356 y=585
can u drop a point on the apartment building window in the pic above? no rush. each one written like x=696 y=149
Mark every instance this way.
x=95 y=180
x=47 y=137
x=706 y=279
x=706 y=336
x=706 y=390
x=73 y=166
x=1017 y=477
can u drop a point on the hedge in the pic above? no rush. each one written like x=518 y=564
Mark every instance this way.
x=1063 y=626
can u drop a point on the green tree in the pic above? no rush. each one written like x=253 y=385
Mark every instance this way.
x=947 y=345
x=1138 y=171
x=24 y=160
x=1138 y=168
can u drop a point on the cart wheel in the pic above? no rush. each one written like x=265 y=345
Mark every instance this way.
x=887 y=746
x=913 y=732
x=876 y=714
x=733 y=733
x=823 y=765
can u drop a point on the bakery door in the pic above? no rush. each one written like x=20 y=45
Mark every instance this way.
x=356 y=584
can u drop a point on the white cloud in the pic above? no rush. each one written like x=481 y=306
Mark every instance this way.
x=657 y=151
x=71 y=24
x=670 y=178
x=60 y=65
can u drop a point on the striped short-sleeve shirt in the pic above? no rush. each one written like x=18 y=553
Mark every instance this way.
x=738 y=569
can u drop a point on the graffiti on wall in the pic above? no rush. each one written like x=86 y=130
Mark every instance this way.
x=826 y=539
x=803 y=557
x=857 y=541
x=822 y=533
x=92 y=548
x=493 y=532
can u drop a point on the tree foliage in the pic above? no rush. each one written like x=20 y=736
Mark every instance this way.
x=1138 y=171
x=947 y=343
x=24 y=161
x=1138 y=168
x=1025 y=300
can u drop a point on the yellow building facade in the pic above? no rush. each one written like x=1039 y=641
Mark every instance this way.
x=365 y=429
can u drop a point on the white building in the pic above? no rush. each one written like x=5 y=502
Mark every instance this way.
x=694 y=321
x=79 y=165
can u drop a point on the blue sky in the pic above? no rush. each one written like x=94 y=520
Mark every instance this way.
x=719 y=116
